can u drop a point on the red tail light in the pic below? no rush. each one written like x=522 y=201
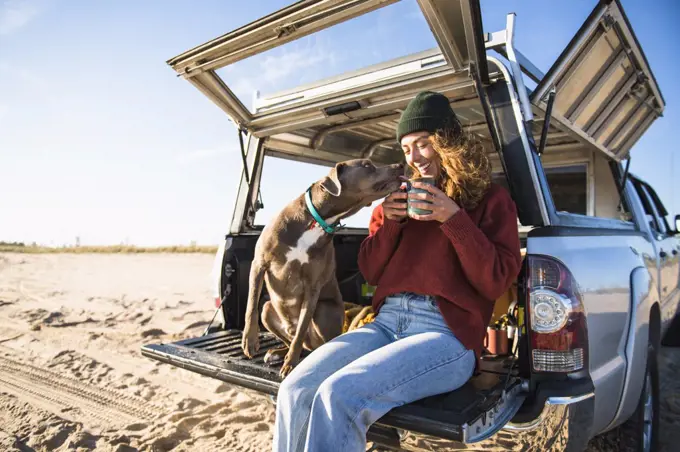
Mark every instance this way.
x=558 y=331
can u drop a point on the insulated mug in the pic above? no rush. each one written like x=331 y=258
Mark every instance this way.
x=410 y=189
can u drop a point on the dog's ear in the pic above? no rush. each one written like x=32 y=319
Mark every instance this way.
x=331 y=183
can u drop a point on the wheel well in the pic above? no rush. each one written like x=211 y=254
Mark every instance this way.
x=655 y=326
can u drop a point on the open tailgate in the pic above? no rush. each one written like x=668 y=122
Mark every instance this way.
x=472 y=413
x=605 y=90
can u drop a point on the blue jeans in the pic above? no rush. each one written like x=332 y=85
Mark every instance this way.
x=328 y=402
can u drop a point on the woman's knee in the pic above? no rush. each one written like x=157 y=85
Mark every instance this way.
x=337 y=389
x=295 y=390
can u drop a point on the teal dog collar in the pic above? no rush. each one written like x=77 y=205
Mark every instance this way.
x=330 y=229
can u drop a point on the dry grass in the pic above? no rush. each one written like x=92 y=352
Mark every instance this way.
x=120 y=249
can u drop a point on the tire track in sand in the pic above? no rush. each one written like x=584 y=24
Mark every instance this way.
x=72 y=398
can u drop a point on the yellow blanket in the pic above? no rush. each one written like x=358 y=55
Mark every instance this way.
x=357 y=316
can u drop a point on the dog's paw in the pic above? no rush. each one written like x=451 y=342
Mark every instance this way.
x=250 y=343
x=289 y=363
x=275 y=356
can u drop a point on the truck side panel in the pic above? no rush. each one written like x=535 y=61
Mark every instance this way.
x=643 y=297
x=602 y=262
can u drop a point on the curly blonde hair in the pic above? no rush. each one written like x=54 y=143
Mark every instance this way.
x=465 y=169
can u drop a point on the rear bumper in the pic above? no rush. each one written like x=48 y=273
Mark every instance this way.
x=565 y=424
x=583 y=403
x=569 y=400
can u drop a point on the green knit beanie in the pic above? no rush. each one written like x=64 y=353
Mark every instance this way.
x=427 y=112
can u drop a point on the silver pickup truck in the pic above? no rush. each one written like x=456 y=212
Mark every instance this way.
x=599 y=284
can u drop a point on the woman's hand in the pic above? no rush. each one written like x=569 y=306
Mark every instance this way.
x=442 y=206
x=394 y=206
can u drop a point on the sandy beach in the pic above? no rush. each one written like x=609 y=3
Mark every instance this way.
x=72 y=376
x=71 y=373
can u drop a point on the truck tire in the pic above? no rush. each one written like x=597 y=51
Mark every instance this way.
x=641 y=432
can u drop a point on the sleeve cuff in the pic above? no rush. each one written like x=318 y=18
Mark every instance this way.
x=459 y=227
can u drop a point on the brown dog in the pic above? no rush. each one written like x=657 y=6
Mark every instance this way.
x=295 y=257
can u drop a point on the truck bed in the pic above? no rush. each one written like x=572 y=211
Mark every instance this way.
x=469 y=414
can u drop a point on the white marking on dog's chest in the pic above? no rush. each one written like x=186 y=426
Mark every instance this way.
x=300 y=251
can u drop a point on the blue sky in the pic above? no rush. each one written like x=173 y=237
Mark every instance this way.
x=100 y=140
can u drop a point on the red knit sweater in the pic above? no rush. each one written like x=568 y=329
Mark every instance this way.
x=466 y=263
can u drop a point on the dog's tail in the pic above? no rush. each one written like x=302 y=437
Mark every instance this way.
x=257 y=271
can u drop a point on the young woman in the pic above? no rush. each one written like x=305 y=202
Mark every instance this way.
x=437 y=278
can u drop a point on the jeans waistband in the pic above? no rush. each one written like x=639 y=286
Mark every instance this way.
x=398 y=297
